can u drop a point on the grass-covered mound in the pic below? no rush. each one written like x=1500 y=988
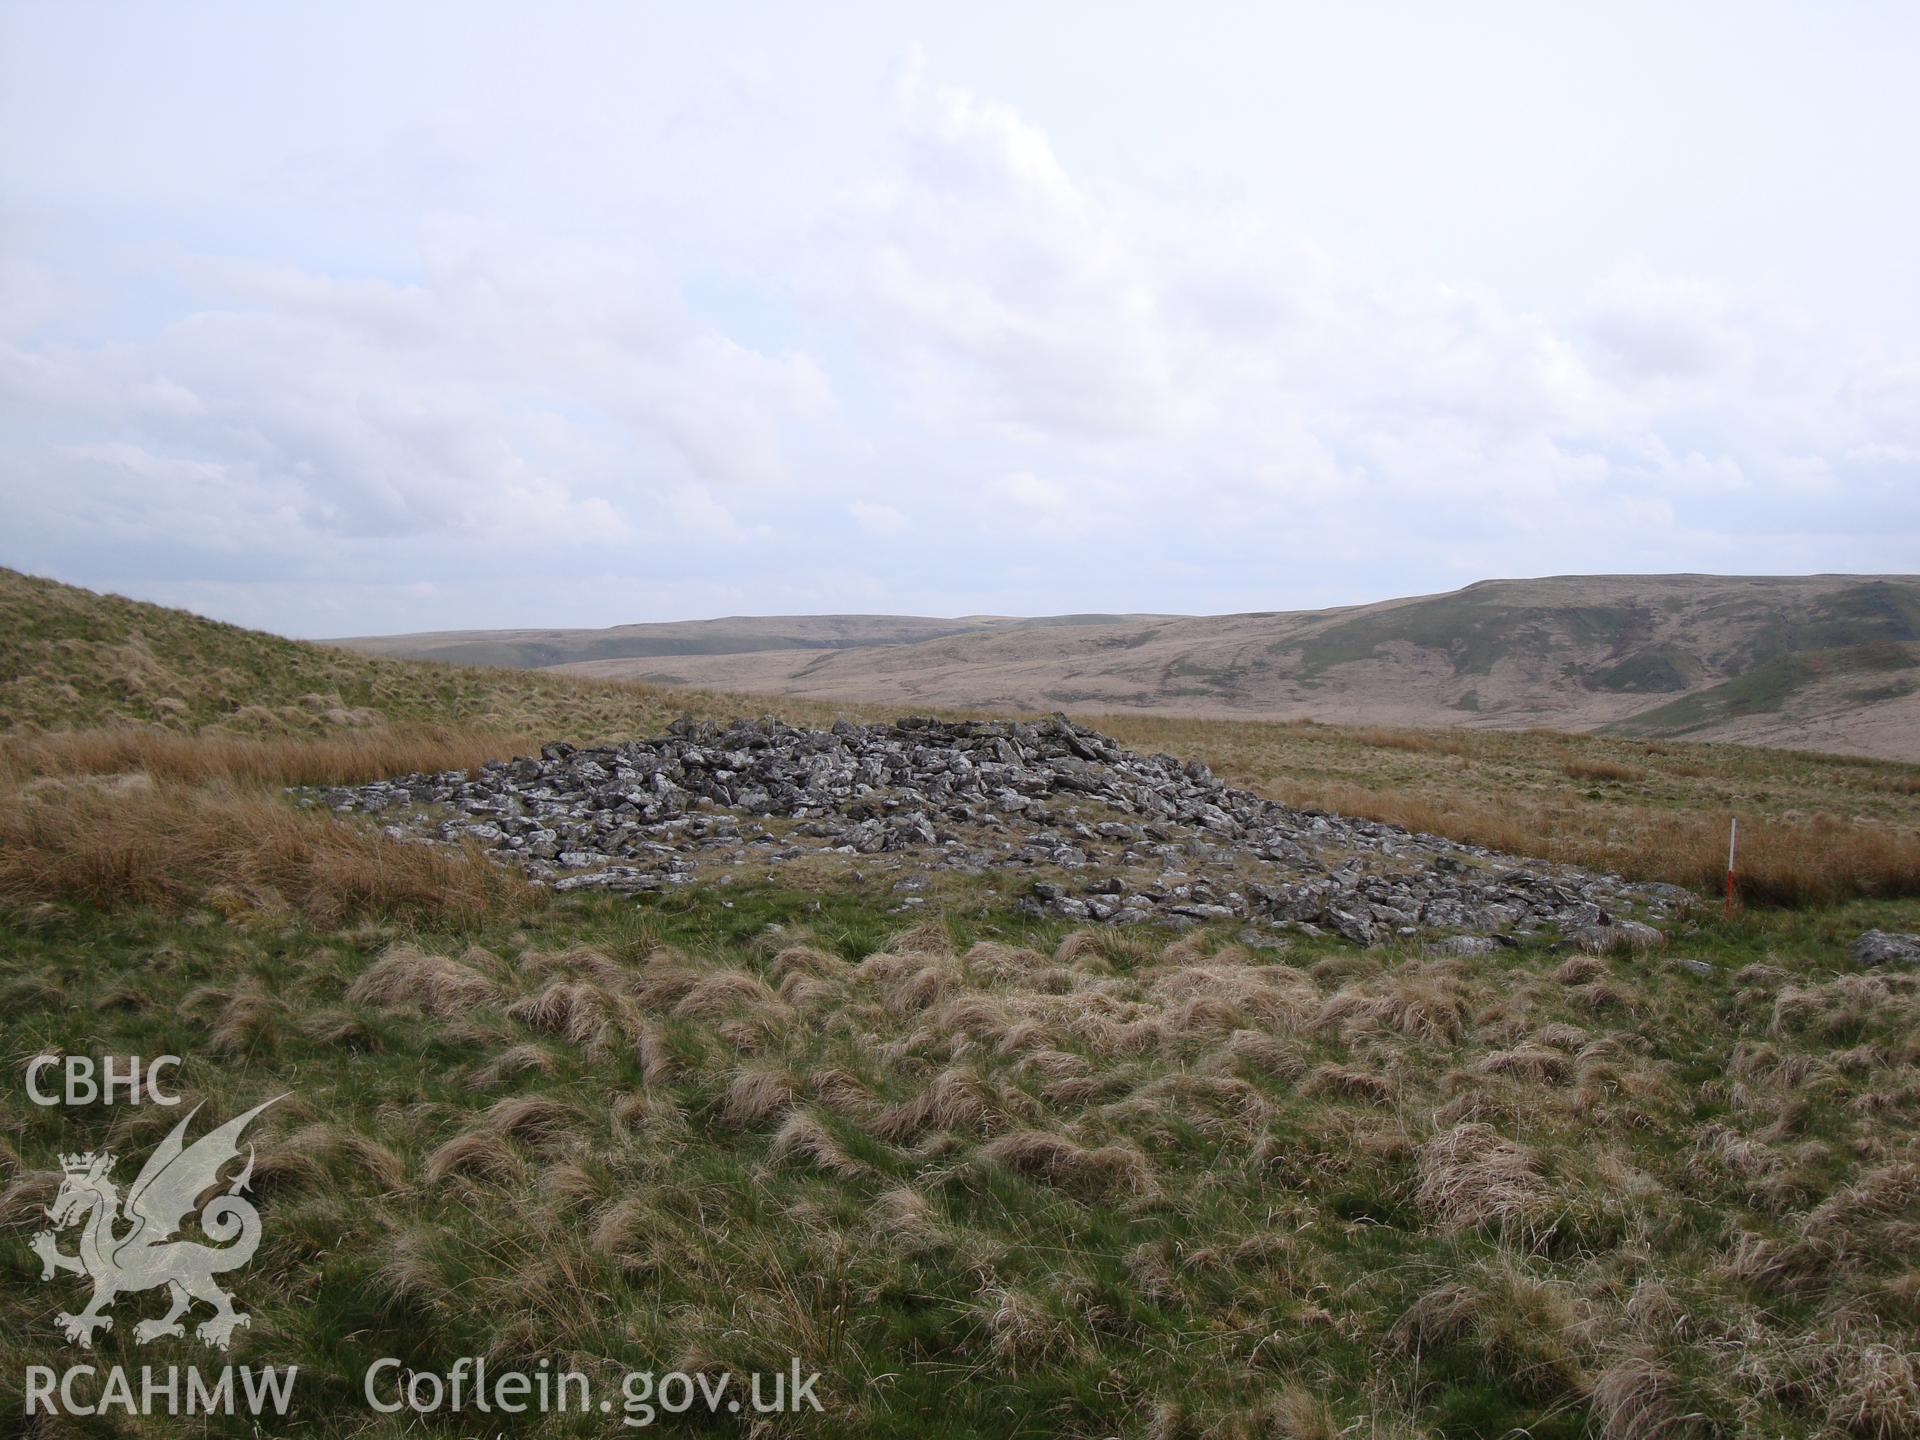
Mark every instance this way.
x=72 y=659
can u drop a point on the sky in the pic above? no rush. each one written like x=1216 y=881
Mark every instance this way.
x=347 y=319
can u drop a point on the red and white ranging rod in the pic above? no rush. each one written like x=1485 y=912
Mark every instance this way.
x=1733 y=839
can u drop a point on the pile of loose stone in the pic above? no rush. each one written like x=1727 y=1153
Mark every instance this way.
x=1080 y=827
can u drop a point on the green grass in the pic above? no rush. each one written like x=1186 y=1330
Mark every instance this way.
x=1765 y=689
x=1658 y=671
x=1892 y=690
x=1282 y=1252
x=1475 y=629
x=1875 y=614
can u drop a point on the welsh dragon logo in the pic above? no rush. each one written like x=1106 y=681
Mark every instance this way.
x=145 y=1255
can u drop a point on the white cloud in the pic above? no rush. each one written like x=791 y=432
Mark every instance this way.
x=696 y=511
x=376 y=408
x=1028 y=491
x=1017 y=304
x=1208 y=371
x=1009 y=298
x=161 y=396
x=1106 y=373
x=877 y=519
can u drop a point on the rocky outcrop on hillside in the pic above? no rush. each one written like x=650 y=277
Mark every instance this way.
x=1078 y=826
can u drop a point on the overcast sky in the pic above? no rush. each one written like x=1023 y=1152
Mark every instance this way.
x=345 y=319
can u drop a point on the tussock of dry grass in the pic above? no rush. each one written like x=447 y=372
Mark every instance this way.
x=537 y=1120
x=920 y=986
x=1272 y=1056
x=1534 y=1328
x=480 y=1154
x=809 y=1138
x=841 y=1091
x=905 y=1219
x=1635 y=1399
x=1581 y=970
x=1053 y=1159
x=1195 y=1096
x=807 y=977
x=511 y=1063
x=728 y=992
x=1533 y=1063
x=1108 y=1035
x=314 y=1156
x=1427 y=1008
x=1349 y=1082
x=957 y=1099
x=627 y=1228
x=236 y=1021
x=1218 y=998
x=1881 y=1207
x=436 y=984
x=1833 y=1009
x=410 y=1270
x=1023 y=1329
x=601 y=1022
x=1471 y=1177
x=1783 y=1269
x=1737 y=1154
x=990 y=961
x=577 y=961
x=760 y=1093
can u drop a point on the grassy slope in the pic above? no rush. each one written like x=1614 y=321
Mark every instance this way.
x=72 y=657
x=1781 y=648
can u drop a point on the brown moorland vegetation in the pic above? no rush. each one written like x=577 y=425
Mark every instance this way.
x=176 y=847
x=1814 y=829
